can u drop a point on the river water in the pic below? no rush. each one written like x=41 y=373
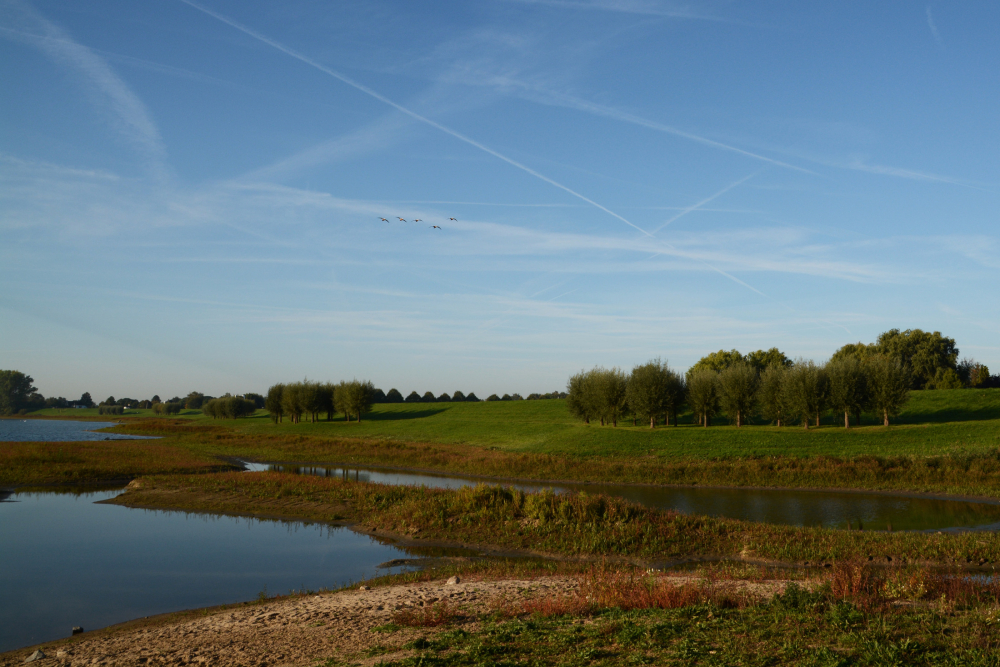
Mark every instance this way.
x=66 y=561
x=793 y=507
x=59 y=430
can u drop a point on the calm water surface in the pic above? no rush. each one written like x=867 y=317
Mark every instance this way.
x=831 y=509
x=58 y=430
x=65 y=561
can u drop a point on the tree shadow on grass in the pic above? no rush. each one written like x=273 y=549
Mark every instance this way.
x=396 y=415
x=950 y=414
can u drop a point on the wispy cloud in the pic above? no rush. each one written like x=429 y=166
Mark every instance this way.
x=423 y=119
x=553 y=98
x=375 y=136
x=911 y=174
x=127 y=113
x=933 y=27
x=640 y=7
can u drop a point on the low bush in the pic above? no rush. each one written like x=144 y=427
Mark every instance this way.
x=110 y=410
x=169 y=408
x=229 y=407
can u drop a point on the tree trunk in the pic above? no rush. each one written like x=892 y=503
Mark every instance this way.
x=614 y=421
x=739 y=419
x=805 y=422
x=885 y=414
x=817 y=419
x=652 y=421
x=586 y=419
x=602 y=421
x=707 y=420
x=847 y=419
x=633 y=421
x=359 y=416
x=779 y=423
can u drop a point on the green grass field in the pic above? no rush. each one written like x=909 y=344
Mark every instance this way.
x=945 y=442
x=934 y=423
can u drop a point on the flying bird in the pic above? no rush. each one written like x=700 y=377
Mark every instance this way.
x=418 y=220
x=383 y=220
x=401 y=220
x=435 y=227
x=455 y=219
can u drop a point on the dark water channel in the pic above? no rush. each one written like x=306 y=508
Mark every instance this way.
x=59 y=430
x=830 y=509
x=66 y=561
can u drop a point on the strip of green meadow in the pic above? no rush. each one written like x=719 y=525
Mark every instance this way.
x=948 y=442
x=573 y=525
x=790 y=630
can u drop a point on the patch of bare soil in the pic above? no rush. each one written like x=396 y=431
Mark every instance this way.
x=301 y=630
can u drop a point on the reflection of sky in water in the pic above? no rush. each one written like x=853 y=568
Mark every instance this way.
x=58 y=430
x=66 y=561
x=790 y=507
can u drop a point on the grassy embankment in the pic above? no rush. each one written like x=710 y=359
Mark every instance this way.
x=945 y=442
x=576 y=525
x=623 y=619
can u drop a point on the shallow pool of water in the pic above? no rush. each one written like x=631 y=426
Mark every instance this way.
x=66 y=561
x=59 y=430
x=793 y=507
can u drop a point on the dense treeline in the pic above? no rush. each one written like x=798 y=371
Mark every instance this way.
x=292 y=400
x=394 y=396
x=229 y=407
x=800 y=392
x=859 y=378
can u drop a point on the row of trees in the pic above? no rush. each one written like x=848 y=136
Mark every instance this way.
x=653 y=390
x=878 y=384
x=394 y=396
x=352 y=399
x=229 y=407
x=780 y=392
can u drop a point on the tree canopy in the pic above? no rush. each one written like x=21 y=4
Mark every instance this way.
x=16 y=392
x=924 y=353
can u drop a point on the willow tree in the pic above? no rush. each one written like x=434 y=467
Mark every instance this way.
x=771 y=394
x=292 y=401
x=703 y=394
x=647 y=388
x=273 y=403
x=326 y=400
x=848 y=387
x=805 y=391
x=888 y=386
x=581 y=398
x=354 y=398
x=612 y=384
x=738 y=385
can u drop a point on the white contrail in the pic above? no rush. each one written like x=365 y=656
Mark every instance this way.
x=385 y=100
x=695 y=207
x=571 y=102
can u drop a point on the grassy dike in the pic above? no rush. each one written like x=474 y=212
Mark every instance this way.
x=570 y=525
x=947 y=442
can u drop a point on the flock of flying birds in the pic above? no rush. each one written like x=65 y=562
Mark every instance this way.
x=417 y=220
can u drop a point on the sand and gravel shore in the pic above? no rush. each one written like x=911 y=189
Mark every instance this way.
x=291 y=631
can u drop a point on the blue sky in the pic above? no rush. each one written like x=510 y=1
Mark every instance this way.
x=190 y=192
